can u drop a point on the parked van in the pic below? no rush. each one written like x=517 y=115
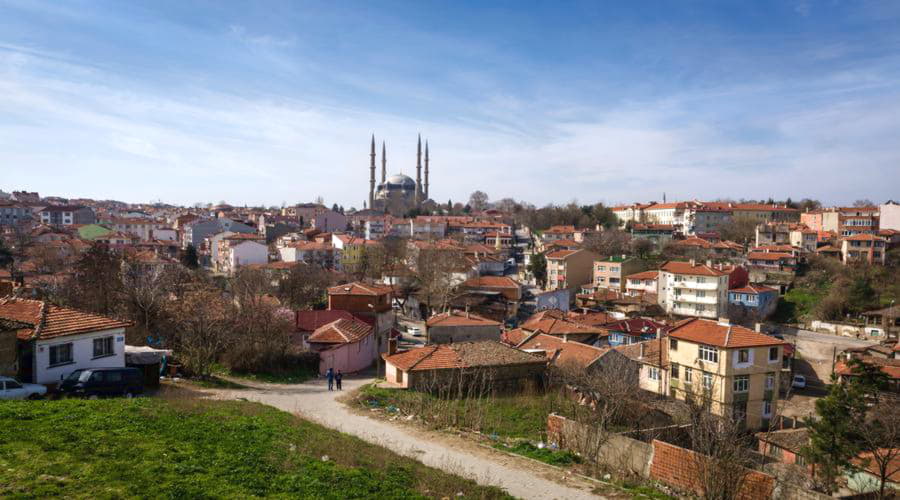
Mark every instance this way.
x=102 y=382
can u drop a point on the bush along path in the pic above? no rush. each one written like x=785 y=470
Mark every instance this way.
x=519 y=477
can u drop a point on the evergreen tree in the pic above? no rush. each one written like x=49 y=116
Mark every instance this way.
x=833 y=438
x=189 y=258
x=537 y=266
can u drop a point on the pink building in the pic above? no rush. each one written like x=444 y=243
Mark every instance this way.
x=345 y=345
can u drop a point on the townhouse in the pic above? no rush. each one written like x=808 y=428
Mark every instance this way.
x=610 y=273
x=864 y=247
x=66 y=215
x=692 y=289
x=732 y=370
x=569 y=268
x=645 y=282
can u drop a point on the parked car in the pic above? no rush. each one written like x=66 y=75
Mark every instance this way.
x=11 y=388
x=100 y=382
x=415 y=331
x=799 y=382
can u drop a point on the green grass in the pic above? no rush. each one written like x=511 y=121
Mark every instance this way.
x=190 y=448
x=546 y=455
x=296 y=377
x=508 y=416
x=641 y=490
x=797 y=304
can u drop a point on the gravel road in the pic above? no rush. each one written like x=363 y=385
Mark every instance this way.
x=518 y=476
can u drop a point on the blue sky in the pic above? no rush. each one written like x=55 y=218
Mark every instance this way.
x=271 y=102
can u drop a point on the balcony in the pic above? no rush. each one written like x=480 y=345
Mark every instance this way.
x=693 y=285
x=695 y=299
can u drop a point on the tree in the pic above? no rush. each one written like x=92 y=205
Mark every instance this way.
x=833 y=434
x=6 y=256
x=865 y=202
x=642 y=247
x=880 y=437
x=807 y=204
x=189 y=258
x=434 y=275
x=201 y=329
x=740 y=229
x=604 y=216
x=261 y=328
x=478 y=201
x=537 y=266
x=304 y=286
x=145 y=293
x=97 y=283
x=506 y=205
x=609 y=243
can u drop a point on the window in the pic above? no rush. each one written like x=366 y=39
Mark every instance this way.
x=707 y=380
x=770 y=381
x=701 y=279
x=674 y=370
x=653 y=372
x=688 y=375
x=773 y=354
x=744 y=356
x=767 y=408
x=673 y=344
x=103 y=347
x=741 y=383
x=708 y=353
x=60 y=354
x=701 y=294
x=12 y=384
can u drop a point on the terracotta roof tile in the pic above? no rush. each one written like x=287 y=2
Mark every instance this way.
x=341 y=331
x=358 y=288
x=652 y=352
x=561 y=353
x=681 y=267
x=459 y=318
x=46 y=321
x=646 y=275
x=461 y=355
x=704 y=331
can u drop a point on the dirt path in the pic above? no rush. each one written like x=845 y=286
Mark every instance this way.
x=520 y=477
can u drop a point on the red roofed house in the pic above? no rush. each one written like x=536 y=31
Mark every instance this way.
x=368 y=301
x=736 y=369
x=345 y=345
x=460 y=326
x=865 y=247
x=640 y=283
x=53 y=341
x=691 y=289
x=439 y=366
x=772 y=260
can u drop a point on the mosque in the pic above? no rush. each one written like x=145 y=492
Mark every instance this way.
x=398 y=194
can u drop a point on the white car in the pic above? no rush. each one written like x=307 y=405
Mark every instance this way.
x=415 y=331
x=10 y=388
x=799 y=382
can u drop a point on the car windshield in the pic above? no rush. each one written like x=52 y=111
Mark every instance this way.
x=84 y=376
x=74 y=375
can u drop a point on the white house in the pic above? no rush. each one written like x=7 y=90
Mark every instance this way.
x=691 y=289
x=54 y=341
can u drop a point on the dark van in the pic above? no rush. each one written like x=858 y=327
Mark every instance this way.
x=103 y=382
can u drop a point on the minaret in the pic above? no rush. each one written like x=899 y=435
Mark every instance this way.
x=383 y=163
x=419 y=172
x=372 y=172
x=426 y=169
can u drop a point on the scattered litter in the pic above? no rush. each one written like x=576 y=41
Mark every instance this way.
x=459 y=494
x=410 y=417
x=541 y=445
x=325 y=458
x=606 y=477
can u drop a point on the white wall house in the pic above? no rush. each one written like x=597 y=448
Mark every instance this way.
x=689 y=289
x=246 y=252
x=55 y=341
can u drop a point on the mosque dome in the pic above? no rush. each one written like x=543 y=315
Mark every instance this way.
x=400 y=181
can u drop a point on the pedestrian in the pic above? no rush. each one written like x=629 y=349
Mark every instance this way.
x=338 y=378
x=330 y=376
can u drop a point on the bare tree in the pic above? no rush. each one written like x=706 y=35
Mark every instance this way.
x=304 y=286
x=723 y=456
x=609 y=243
x=880 y=436
x=478 y=201
x=435 y=269
x=146 y=292
x=201 y=325
x=642 y=247
x=865 y=202
x=740 y=229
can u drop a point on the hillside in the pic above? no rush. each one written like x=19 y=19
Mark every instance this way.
x=191 y=448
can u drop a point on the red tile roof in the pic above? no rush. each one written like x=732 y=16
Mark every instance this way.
x=694 y=242
x=756 y=289
x=652 y=352
x=680 y=267
x=43 y=320
x=341 y=331
x=461 y=355
x=646 y=275
x=561 y=254
x=890 y=367
x=636 y=326
x=492 y=282
x=459 y=318
x=864 y=237
x=554 y=322
x=773 y=256
x=704 y=331
x=560 y=352
x=309 y=321
x=358 y=288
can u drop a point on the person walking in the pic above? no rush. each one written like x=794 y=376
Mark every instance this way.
x=329 y=374
x=338 y=378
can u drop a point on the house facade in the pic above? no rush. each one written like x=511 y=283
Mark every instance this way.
x=864 y=247
x=569 y=268
x=460 y=326
x=756 y=300
x=610 y=273
x=733 y=370
x=691 y=289
x=54 y=341
x=66 y=215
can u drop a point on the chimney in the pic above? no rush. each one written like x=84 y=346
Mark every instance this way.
x=709 y=263
x=758 y=327
x=693 y=262
x=392 y=346
x=565 y=337
x=642 y=349
x=724 y=322
x=659 y=333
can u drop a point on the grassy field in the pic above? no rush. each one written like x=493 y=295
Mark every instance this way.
x=183 y=447
x=506 y=416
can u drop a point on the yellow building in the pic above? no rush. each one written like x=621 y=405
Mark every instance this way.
x=734 y=369
x=351 y=251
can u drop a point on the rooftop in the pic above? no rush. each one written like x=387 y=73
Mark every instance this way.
x=461 y=355
x=704 y=331
x=42 y=320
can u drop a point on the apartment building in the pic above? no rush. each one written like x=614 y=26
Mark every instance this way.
x=67 y=215
x=844 y=221
x=732 y=369
x=641 y=283
x=610 y=273
x=865 y=247
x=569 y=268
x=691 y=289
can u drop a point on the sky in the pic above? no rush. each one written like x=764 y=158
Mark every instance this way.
x=276 y=102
